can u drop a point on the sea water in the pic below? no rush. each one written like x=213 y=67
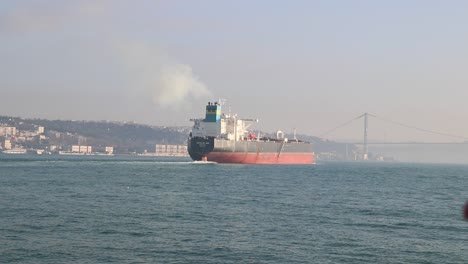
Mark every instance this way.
x=57 y=209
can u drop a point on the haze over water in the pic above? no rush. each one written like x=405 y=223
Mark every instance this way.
x=424 y=153
x=308 y=65
x=145 y=210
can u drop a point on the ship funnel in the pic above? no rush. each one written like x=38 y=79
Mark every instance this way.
x=213 y=112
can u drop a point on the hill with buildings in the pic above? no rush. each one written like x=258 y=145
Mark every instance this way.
x=61 y=135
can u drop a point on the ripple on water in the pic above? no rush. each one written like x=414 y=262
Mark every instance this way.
x=144 y=211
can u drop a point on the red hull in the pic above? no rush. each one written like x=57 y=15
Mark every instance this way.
x=261 y=158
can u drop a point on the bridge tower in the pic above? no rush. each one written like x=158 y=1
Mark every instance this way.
x=365 y=154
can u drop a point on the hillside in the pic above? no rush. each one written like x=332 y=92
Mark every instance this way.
x=125 y=137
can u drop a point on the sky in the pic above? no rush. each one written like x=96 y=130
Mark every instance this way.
x=308 y=65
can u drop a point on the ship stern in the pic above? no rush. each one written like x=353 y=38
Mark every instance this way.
x=199 y=147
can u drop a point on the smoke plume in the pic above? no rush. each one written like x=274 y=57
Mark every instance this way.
x=176 y=84
x=156 y=74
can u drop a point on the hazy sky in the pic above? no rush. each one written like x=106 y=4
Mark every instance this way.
x=310 y=65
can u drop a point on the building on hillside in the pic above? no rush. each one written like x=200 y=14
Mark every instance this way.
x=27 y=134
x=106 y=150
x=40 y=130
x=81 y=149
x=109 y=150
x=171 y=150
x=7 y=144
x=7 y=131
x=20 y=139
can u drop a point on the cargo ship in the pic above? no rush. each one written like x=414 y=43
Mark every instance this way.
x=225 y=138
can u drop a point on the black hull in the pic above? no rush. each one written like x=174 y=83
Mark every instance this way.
x=199 y=147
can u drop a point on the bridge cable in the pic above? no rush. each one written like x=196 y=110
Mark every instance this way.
x=340 y=126
x=420 y=129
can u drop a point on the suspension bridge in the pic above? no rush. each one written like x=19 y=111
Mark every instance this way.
x=461 y=140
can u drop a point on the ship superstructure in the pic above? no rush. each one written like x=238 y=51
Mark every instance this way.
x=221 y=126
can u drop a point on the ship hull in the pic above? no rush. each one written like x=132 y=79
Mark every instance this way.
x=250 y=152
x=260 y=158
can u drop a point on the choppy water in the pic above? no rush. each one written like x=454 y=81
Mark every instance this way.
x=122 y=210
